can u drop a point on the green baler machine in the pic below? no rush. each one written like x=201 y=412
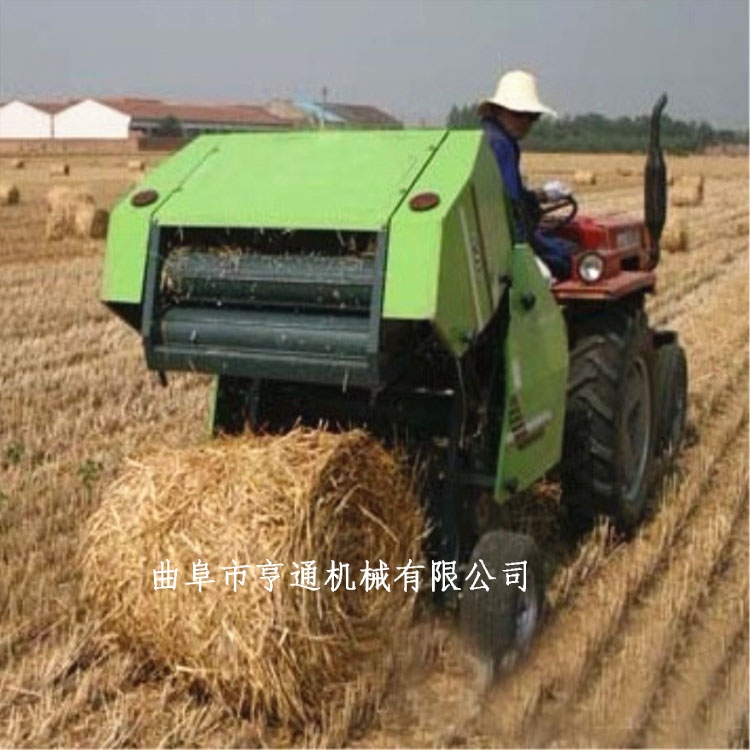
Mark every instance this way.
x=346 y=268
x=361 y=278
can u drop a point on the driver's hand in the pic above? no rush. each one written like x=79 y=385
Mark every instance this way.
x=556 y=190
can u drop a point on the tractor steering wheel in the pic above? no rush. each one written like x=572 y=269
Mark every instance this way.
x=550 y=225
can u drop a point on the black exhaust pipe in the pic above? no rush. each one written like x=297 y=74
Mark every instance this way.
x=655 y=186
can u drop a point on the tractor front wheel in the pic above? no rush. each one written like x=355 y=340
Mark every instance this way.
x=499 y=622
x=610 y=422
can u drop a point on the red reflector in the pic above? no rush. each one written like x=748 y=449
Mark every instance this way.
x=144 y=197
x=424 y=201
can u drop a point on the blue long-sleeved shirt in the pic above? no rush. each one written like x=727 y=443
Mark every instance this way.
x=554 y=251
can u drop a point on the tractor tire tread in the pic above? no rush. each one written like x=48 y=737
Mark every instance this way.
x=601 y=348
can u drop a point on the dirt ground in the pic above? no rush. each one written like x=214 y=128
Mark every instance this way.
x=645 y=641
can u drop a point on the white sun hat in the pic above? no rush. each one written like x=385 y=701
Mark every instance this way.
x=516 y=90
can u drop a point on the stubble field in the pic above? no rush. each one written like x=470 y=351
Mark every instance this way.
x=645 y=642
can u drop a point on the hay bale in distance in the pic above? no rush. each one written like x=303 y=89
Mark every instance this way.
x=674 y=237
x=59 y=170
x=741 y=228
x=17 y=164
x=90 y=221
x=625 y=171
x=64 y=204
x=9 y=194
x=310 y=495
x=584 y=177
x=688 y=191
x=136 y=165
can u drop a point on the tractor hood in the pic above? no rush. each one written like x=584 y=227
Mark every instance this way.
x=310 y=180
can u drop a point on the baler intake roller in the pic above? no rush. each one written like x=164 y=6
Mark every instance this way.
x=259 y=315
x=313 y=281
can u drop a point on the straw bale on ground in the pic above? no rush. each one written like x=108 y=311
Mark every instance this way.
x=674 y=237
x=17 y=163
x=136 y=165
x=625 y=171
x=296 y=655
x=688 y=191
x=9 y=194
x=584 y=177
x=59 y=170
x=73 y=212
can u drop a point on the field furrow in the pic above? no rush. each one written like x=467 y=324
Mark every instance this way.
x=617 y=696
x=721 y=619
x=722 y=719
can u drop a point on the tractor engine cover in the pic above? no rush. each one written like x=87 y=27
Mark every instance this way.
x=609 y=232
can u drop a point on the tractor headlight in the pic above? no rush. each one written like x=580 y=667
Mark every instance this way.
x=591 y=267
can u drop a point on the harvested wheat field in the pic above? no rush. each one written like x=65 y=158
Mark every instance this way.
x=644 y=642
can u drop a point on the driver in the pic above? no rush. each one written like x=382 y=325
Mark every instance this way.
x=506 y=118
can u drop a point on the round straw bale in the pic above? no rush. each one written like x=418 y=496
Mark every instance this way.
x=136 y=165
x=90 y=221
x=674 y=237
x=584 y=177
x=688 y=191
x=59 y=169
x=17 y=163
x=64 y=205
x=625 y=171
x=290 y=653
x=9 y=194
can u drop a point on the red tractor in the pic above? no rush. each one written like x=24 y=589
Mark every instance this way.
x=627 y=393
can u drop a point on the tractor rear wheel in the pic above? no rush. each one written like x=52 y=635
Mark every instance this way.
x=610 y=420
x=499 y=623
x=670 y=386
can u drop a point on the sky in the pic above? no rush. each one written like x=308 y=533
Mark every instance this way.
x=413 y=58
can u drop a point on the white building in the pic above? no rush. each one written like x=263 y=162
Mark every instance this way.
x=91 y=119
x=21 y=120
x=119 y=119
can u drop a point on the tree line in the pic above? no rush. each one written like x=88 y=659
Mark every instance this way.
x=595 y=132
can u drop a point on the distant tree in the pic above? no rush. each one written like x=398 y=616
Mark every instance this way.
x=595 y=132
x=169 y=127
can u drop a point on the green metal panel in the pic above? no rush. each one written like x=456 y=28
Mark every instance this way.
x=310 y=180
x=445 y=264
x=127 y=237
x=492 y=207
x=536 y=378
